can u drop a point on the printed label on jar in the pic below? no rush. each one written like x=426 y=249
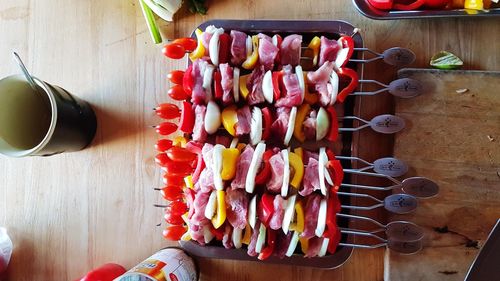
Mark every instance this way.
x=170 y=264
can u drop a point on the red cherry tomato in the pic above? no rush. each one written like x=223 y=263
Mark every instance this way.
x=106 y=272
x=173 y=180
x=174 y=220
x=180 y=154
x=174 y=51
x=172 y=193
x=168 y=111
x=177 y=168
x=177 y=93
x=189 y=44
x=166 y=128
x=176 y=76
x=174 y=232
x=162 y=159
x=163 y=144
x=177 y=208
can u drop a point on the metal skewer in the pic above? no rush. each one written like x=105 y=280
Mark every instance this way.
x=396 y=203
x=401 y=247
x=386 y=166
x=403 y=88
x=396 y=56
x=416 y=186
x=385 y=124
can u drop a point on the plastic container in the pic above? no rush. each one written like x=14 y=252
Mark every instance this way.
x=5 y=249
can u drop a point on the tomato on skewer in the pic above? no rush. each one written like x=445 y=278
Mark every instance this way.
x=177 y=93
x=167 y=111
x=189 y=44
x=176 y=76
x=171 y=192
x=174 y=51
x=163 y=144
x=179 y=154
x=174 y=232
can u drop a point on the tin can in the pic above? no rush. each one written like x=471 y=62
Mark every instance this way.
x=169 y=264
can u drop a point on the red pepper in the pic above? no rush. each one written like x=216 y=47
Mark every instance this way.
x=347 y=42
x=353 y=84
x=381 y=4
x=188 y=81
x=186 y=123
x=265 y=172
x=334 y=125
x=224 y=47
x=218 y=85
x=337 y=170
x=412 y=6
x=334 y=241
x=268 y=121
x=217 y=232
x=277 y=84
x=271 y=244
x=266 y=208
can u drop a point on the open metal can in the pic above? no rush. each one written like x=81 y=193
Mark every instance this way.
x=169 y=264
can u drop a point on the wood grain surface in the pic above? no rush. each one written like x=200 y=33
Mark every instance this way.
x=73 y=212
x=458 y=148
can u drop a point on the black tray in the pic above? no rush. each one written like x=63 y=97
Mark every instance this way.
x=308 y=29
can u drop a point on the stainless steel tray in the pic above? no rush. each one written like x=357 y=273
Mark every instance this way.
x=308 y=29
x=371 y=12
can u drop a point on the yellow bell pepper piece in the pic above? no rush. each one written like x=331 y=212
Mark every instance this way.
x=229 y=160
x=304 y=244
x=188 y=181
x=298 y=224
x=247 y=236
x=474 y=4
x=309 y=98
x=229 y=119
x=179 y=141
x=240 y=146
x=298 y=167
x=298 y=132
x=299 y=151
x=199 y=52
x=243 y=86
x=220 y=217
x=251 y=61
x=314 y=46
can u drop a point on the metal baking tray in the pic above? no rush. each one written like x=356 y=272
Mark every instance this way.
x=307 y=29
x=371 y=12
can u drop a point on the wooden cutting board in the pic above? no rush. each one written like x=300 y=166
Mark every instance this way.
x=452 y=137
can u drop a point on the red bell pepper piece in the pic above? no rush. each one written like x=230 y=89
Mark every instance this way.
x=265 y=172
x=338 y=171
x=271 y=244
x=224 y=47
x=218 y=85
x=353 y=84
x=186 y=123
x=266 y=208
x=408 y=7
x=347 y=42
x=268 y=121
x=334 y=241
x=334 y=125
x=381 y=4
x=188 y=81
x=217 y=232
x=277 y=78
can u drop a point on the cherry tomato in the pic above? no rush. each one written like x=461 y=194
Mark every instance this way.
x=173 y=180
x=189 y=44
x=166 y=128
x=177 y=93
x=180 y=169
x=176 y=76
x=174 y=232
x=167 y=111
x=175 y=220
x=174 y=51
x=163 y=144
x=179 y=154
x=172 y=192
x=162 y=159
x=177 y=208
x=108 y=271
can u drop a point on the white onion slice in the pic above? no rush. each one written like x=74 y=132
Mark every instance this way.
x=256 y=126
x=267 y=86
x=252 y=212
x=322 y=124
x=334 y=82
x=293 y=244
x=261 y=239
x=212 y=118
x=320 y=227
x=300 y=77
x=213 y=46
x=323 y=158
x=328 y=178
x=288 y=216
x=341 y=57
x=217 y=166
x=211 y=205
x=291 y=124
x=208 y=75
x=236 y=84
x=254 y=167
x=236 y=237
x=324 y=247
x=275 y=40
x=249 y=46
x=207 y=234
x=234 y=143
x=286 y=173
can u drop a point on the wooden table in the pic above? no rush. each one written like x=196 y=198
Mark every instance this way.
x=72 y=212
